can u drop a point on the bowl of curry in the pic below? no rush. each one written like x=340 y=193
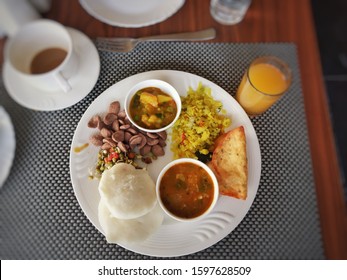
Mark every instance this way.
x=153 y=105
x=187 y=189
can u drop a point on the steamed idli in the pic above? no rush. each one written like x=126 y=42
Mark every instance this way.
x=127 y=192
x=131 y=230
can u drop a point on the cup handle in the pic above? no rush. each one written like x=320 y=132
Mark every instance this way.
x=63 y=83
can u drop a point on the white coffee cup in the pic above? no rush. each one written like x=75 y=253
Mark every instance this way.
x=33 y=38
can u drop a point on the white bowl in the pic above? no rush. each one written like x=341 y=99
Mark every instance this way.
x=210 y=173
x=163 y=86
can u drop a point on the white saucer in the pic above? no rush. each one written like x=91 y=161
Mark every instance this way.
x=131 y=13
x=7 y=145
x=36 y=99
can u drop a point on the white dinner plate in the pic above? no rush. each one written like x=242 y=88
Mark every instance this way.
x=7 y=145
x=173 y=238
x=131 y=13
x=82 y=83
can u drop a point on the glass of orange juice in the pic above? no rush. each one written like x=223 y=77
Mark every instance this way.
x=265 y=81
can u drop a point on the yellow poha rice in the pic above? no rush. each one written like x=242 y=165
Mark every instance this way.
x=201 y=121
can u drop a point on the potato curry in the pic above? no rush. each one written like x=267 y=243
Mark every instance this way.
x=152 y=108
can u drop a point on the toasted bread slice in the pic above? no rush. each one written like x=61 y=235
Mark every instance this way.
x=229 y=163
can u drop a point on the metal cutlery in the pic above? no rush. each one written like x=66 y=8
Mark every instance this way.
x=128 y=44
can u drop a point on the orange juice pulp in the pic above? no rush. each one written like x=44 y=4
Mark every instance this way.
x=262 y=87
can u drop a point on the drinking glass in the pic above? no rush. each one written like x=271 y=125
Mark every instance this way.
x=264 y=82
x=229 y=11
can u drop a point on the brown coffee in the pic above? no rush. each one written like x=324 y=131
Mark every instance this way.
x=47 y=60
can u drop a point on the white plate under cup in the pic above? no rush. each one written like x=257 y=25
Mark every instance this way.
x=33 y=38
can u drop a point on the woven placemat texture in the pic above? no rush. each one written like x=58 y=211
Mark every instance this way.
x=41 y=218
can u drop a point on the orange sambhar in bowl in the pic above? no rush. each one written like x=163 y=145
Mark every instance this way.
x=187 y=189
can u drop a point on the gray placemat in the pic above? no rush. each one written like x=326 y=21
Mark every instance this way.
x=40 y=216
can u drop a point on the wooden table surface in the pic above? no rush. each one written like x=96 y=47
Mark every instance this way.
x=266 y=21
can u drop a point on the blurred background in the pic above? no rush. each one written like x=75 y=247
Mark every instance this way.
x=331 y=24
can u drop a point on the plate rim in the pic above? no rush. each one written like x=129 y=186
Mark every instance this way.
x=95 y=14
x=156 y=74
x=11 y=135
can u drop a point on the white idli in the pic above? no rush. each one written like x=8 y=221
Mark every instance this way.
x=131 y=230
x=127 y=192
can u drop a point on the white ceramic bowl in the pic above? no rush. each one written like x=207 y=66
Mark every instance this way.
x=163 y=86
x=210 y=173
